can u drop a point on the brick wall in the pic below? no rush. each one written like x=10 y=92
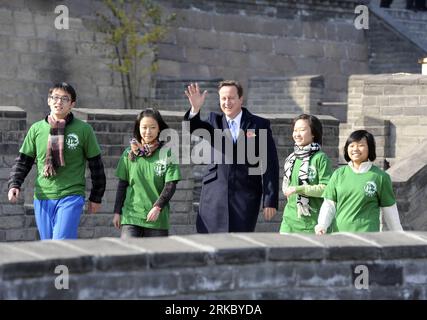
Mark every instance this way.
x=393 y=107
x=16 y=223
x=294 y=95
x=389 y=52
x=241 y=39
x=409 y=177
x=253 y=266
x=236 y=39
x=38 y=55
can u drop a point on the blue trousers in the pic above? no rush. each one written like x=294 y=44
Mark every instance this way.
x=59 y=218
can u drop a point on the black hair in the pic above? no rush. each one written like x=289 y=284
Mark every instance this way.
x=66 y=87
x=227 y=83
x=152 y=113
x=357 y=136
x=315 y=126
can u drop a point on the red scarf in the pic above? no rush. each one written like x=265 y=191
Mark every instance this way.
x=55 y=147
x=141 y=150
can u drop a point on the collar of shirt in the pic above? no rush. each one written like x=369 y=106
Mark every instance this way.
x=364 y=166
x=236 y=119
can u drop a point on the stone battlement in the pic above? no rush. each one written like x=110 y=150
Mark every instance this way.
x=388 y=265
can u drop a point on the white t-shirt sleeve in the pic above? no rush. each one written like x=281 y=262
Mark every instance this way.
x=391 y=217
x=326 y=214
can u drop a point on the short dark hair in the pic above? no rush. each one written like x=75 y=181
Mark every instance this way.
x=357 y=136
x=152 y=113
x=66 y=87
x=315 y=126
x=234 y=83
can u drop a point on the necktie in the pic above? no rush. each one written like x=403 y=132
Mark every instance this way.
x=233 y=128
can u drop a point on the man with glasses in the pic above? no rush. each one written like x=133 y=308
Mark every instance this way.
x=60 y=144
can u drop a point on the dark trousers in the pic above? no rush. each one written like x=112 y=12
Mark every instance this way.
x=132 y=231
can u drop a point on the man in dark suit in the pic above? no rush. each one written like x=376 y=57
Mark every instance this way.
x=231 y=192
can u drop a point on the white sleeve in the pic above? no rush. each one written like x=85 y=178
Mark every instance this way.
x=326 y=214
x=391 y=217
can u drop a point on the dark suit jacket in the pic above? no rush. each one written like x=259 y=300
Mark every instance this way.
x=231 y=197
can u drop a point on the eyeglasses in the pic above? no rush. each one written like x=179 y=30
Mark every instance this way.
x=64 y=99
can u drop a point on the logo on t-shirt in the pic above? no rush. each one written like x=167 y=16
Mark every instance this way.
x=160 y=167
x=72 y=141
x=370 y=188
x=312 y=173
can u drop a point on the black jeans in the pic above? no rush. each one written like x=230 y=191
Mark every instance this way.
x=132 y=231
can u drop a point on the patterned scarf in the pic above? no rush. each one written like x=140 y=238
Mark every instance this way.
x=55 y=145
x=304 y=154
x=141 y=150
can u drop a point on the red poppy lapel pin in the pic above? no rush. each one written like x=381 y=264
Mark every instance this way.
x=250 y=134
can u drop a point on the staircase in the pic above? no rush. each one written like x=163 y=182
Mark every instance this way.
x=397 y=39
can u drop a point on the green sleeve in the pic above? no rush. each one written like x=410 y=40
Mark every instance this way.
x=387 y=198
x=324 y=169
x=92 y=148
x=315 y=191
x=330 y=192
x=29 y=145
x=122 y=170
x=173 y=173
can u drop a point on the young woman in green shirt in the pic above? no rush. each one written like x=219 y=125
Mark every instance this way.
x=147 y=181
x=358 y=191
x=307 y=171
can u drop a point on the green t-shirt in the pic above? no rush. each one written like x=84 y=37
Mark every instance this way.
x=358 y=198
x=319 y=172
x=79 y=144
x=146 y=177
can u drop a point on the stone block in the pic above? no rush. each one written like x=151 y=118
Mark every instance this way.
x=369 y=101
x=347 y=246
x=398 y=244
x=171 y=252
x=25 y=30
x=172 y=52
x=287 y=47
x=12 y=209
x=255 y=43
x=22 y=17
x=206 y=279
x=11 y=222
x=328 y=275
x=40 y=288
x=40 y=268
x=6 y=16
x=177 y=218
x=239 y=24
x=398 y=293
x=383 y=274
x=414 y=272
x=229 y=249
x=287 y=247
x=127 y=285
x=196 y=21
x=102 y=231
x=274 y=275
